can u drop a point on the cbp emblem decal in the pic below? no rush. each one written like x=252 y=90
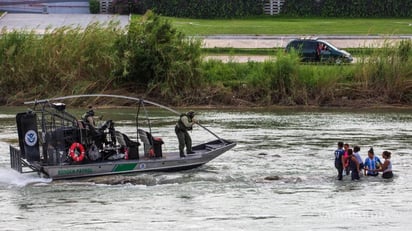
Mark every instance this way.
x=30 y=138
x=142 y=166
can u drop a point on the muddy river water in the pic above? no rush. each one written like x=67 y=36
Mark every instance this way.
x=280 y=176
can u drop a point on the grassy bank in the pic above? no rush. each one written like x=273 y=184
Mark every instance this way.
x=272 y=25
x=385 y=77
x=155 y=61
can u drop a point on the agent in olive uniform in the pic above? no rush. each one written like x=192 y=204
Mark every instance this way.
x=99 y=133
x=89 y=117
x=184 y=125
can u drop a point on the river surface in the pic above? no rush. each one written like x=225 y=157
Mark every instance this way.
x=293 y=147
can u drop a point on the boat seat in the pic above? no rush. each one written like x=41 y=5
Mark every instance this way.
x=147 y=143
x=151 y=145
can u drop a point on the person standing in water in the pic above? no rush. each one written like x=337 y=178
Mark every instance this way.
x=353 y=165
x=356 y=151
x=346 y=158
x=387 y=165
x=185 y=124
x=339 y=160
x=371 y=164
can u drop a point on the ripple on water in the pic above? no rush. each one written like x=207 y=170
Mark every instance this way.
x=280 y=176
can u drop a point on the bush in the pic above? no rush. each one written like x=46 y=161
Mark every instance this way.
x=350 y=8
x=159 y=57
x=124 y=6
x=94 y=6
x=203 y=8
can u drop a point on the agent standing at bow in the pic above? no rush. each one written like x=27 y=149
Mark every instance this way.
x=185 y=124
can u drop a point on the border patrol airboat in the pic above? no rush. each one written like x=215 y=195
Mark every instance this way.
x=57 y=145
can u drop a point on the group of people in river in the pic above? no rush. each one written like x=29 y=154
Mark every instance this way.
x=349 y=161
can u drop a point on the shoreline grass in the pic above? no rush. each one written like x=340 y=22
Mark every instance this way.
x=106 y=59
x=278 y=25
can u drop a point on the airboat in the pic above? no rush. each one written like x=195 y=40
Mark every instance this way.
x=56 y=144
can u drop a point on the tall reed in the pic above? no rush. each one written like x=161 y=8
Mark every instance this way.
x=384 y=76
x=387 y=74
x=154 y=59
x=69 y=60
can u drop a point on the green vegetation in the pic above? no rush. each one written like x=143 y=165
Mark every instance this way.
x=383 y=77
x=277 y=25
x=242 y=8
x=152 y=59
x=348 y=8
x=160 y=58
x=94 y=6
x=201 y=8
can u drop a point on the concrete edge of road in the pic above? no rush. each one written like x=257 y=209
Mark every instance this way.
x=271 y=37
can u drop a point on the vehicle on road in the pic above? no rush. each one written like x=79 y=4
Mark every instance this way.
x=314 y=50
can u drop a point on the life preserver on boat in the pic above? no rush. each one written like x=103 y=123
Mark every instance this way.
x=72 y=152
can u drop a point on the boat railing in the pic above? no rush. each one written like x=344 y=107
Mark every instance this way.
x=17 y=162
x=15 y=159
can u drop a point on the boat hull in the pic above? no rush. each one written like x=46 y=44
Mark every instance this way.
x=169 y=162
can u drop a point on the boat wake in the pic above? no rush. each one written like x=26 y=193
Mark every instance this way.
x=12 y=178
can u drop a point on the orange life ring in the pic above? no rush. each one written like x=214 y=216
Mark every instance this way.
x=72 y=152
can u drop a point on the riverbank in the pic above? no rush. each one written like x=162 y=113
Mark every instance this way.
x=154 y=61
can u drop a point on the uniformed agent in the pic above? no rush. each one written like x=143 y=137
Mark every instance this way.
x=89 y=117
x=185 y=124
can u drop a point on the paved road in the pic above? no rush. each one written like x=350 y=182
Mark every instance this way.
x=257 y=41
x=40 y=22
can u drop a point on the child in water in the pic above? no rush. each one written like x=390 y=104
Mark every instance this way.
x=353 y=165
x=387 y=165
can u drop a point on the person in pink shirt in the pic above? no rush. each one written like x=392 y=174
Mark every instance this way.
x=346 y=158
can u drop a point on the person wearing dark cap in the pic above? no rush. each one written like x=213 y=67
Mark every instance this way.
x=98 y=133
x=372 y=164
x=339 y=159
x=89 y=117
x=185 y=124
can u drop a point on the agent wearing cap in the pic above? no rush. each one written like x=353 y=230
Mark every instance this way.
x=89 y=117
x=185 y=124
